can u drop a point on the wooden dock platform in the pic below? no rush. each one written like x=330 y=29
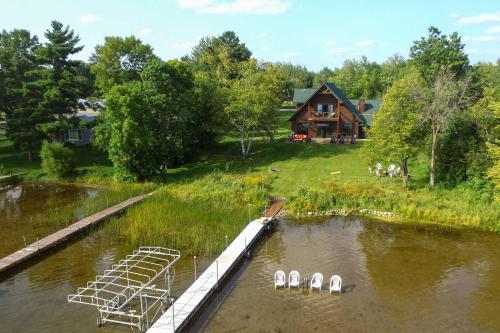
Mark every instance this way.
x=63 y=234
x=274 y=209
x=177 y=316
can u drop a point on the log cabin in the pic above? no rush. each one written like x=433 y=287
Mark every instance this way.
x=327 y=115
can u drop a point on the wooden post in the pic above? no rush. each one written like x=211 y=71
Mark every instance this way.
x=338 y=125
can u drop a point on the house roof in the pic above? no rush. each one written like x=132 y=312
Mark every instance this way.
x=372 y=106
x=302 y=96
x=340 y=95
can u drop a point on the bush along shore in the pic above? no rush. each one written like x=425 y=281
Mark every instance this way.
x=441 y=207
x=339 y=212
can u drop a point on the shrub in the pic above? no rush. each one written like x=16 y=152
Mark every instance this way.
x=57 y=161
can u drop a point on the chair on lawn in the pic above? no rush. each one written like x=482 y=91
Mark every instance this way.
x=336 y=284
x=279 y=279
x=294 y=279
x=316 y=281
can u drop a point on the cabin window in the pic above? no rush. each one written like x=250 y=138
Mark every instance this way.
x=74 y=134
x=324 y=109
x=302 y=128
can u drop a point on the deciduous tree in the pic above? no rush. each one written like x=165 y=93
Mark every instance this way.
x=253 y=102
x=443 y=99
x=397 y=133
x=148 y=124
x=119 y=60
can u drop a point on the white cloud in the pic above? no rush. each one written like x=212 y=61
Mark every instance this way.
x=145 y=32
x=264 y=48
x=89 y=18
x=185 y=46
x=471 y=51
x=481 y=18
x=257 y=7
x=263 y=35
x=480 y=39
x=287 y=56
x=366 y=42
x=330 y=43
x=493 y=30
x=194 y=3
x=343 y=52
x=455 y=15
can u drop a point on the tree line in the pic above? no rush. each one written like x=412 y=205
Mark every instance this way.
x=445 y=107
x=156 y=113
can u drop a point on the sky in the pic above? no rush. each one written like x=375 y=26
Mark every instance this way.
x=314 y=33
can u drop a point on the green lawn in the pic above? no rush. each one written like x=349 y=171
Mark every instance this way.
x=93 y=165
x=310 y=176
x=335 y=176
x=296 y=165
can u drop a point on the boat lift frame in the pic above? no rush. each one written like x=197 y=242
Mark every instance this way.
x=125 y=294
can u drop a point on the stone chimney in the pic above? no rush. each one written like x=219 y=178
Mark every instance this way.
x=361 y=105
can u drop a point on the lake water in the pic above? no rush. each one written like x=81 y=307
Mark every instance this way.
x=33 y=299
x=25 y=211
x=396 y=278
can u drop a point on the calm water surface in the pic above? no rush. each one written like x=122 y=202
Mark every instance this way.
x=25 y=208
x=396 y=278
x=34 y=299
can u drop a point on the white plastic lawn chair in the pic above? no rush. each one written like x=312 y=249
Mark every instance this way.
x=379 y=170
x=336 y=284
x=391 y=171
x=317 y=281
x=279 y=279
x=294 y=279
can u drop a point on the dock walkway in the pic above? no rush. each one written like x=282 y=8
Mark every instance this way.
x=63 y=234
x=8 y=177
x=178 y=315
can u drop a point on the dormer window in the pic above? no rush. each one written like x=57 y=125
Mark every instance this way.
x=319 y=109
x=324 y=109
x=330 y=110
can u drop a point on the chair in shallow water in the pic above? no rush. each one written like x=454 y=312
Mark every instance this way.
x=336 y=284
x=294 y=279
x=317 y=281
x=279 y=279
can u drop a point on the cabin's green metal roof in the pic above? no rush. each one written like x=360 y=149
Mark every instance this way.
x=340 y=95
x=372 y=106
x=301 y=95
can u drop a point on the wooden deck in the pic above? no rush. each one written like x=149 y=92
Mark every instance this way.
x=63 y=234
x=274 y=208
x=185 y=307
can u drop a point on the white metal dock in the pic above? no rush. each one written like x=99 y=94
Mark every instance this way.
x=178 y=315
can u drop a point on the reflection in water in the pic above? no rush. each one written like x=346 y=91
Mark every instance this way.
x=34 y=300
x=395 y=278
x=24 y=209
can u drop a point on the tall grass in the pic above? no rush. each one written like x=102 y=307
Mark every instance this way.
x=101 y=199
x=195 y=217
x=450 y=207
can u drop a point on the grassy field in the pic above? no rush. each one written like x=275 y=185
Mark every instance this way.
x=205 y=200
x=295 y=165
x=315 y=177
x=93 y=165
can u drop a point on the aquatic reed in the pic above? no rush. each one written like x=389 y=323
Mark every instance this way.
x=194 y=217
